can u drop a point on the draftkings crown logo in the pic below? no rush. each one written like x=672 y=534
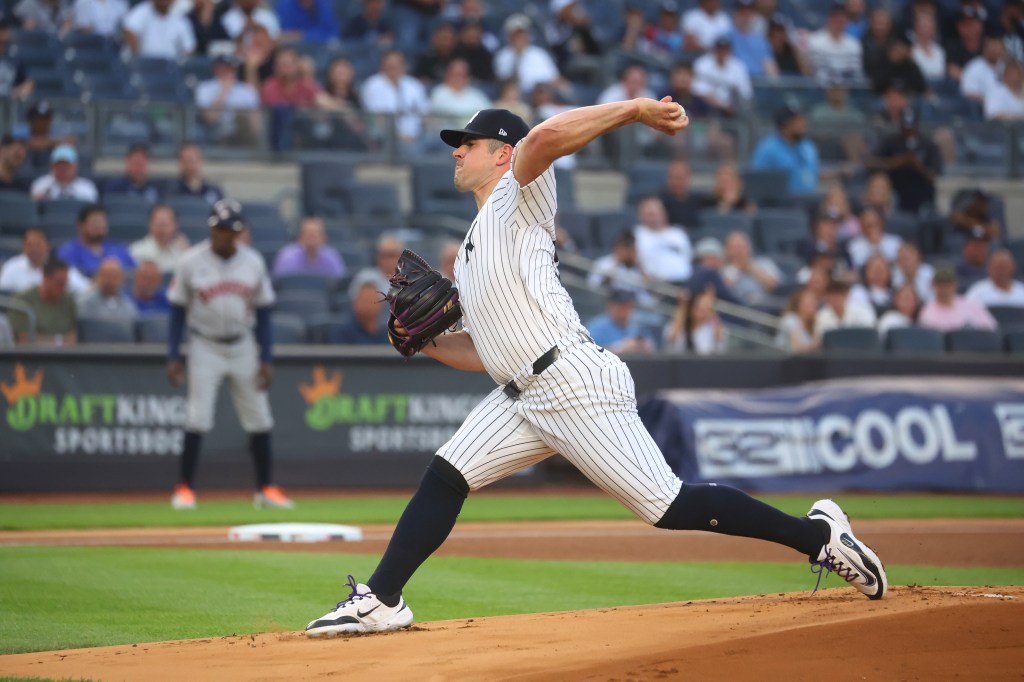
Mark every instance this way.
x=23 y=387
x=322 y=386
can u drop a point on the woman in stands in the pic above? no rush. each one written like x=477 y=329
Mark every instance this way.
x=878 y=194
x=875 y=287
x=838 y=202
x=905 y=308
x=796 y=330
x=341 y=99
x=696 y=327
x=727 y=195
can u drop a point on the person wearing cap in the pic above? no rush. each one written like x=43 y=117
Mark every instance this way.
x=966 y=44
x=947 y=310
x=135 y=181
x=363 y=326
x=722 y=79
x=14 y=79
x=1005 y=102
x=1000 y=288
x=63 y=182
x=703 y=24
x=100 y=17
x=789 y=149
x=153 y=29
x=91 y=246
x=982 y=74
x=527 y=63
x=749 y=45
x=163 y=244
x=832 y=52
x=309 y=253
x=900 y=65
x=972 y=266
x=226 y=104
x=12 y=157
x=309 y=21
x=841 y=311
x=929 y=56
x=618 y=329
x=41 y=140
x=393 y=91
x=913 y=163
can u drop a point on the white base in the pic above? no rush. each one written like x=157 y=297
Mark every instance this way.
x=294 y=532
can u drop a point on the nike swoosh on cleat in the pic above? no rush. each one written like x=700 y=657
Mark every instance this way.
x=869 y=580
x=364 y=615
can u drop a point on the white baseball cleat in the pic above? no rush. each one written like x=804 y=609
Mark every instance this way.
x=362 y=612
x=183 y=497
x=271 y=497
x=845 y=555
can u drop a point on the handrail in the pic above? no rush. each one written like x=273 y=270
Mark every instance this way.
x=12 y=303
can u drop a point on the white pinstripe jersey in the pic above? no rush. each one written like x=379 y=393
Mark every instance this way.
x=513 y=304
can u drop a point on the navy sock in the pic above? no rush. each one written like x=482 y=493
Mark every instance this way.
x=721 y=509
x=425 y=524
x=259 y=446
x=190 y=457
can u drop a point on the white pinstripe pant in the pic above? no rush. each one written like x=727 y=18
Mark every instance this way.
x=584 y=407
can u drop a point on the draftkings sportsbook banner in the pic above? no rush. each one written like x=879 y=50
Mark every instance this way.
x=924 y=433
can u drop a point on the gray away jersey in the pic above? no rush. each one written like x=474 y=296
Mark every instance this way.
x=514 y=306
x=220 y=295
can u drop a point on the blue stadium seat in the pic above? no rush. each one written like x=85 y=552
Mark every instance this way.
x=904 y=226
x=433 y=191
x=914 y=341
x=851 y=340
x=303 y=281
x=766 y=187
x=99 y=330
x=721 y=224
x=288 y=328
x=644 y=178
x=781 y=230
x=377 y=199
x=1008 y=316
x=606 y=226
x=326 y=328
x=565 y=187
x=973 y=341
x=1013 y=342
x=577 y=224
x=325 y=187
x=152 y=328
x=303 y=303
x=17 y=213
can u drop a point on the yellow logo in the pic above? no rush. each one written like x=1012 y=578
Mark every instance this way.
x=23 y=386
x=322 y=386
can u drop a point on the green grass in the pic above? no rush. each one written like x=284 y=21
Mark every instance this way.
x=481 y=507
x=64 y=597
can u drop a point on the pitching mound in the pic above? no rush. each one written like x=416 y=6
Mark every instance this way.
x=916 y=633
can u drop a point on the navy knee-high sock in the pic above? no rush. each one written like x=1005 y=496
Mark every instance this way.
x=721 y=509
x=425 y=524
x=190 y=457
x=259 y=447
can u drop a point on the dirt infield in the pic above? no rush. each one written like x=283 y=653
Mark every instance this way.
x=916 y=633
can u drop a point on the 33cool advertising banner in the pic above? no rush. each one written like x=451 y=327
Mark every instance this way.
x=870 y=433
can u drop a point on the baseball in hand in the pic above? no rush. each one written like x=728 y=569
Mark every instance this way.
x=682 y=111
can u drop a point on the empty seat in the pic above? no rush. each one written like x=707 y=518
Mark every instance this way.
x=1013 y=342
x=325 y=186
x=973 y=341
x=98 y=330
x=565 y=188
x=1008 y=315
x=904 y=226
x=288 y=328
x=607 y=226
x=766 y=187
x=577 y=224
x=303 y=303
x=17 y=213
x=852 y=339
x=152 y=328
x=914 y=341
x=781 y=229
x=326 y=328
x=720 y=224
x=644 y=179
x=303 y=281
x=434 y=192
x=378 y=199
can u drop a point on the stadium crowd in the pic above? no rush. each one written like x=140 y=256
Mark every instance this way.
x=858 y=242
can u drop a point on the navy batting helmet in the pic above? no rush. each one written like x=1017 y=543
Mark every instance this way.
x=227 y=214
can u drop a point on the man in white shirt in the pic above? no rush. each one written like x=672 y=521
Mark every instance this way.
x=107 y=300
x=632 y=83
x=238 y=20
x=722 y=79
x=1000 y=288
x=832 y=52
x=840 y=311
x=454 y=96
x=872 y=239
x=982 y=74
x=221 y=99
x=164 y=244
x=926 y=51
x=392 y=91
x=102 y=17
x=703 y=24
x=152 y=29
x=25 y=270
x=62 y=182
x=664 y=251
x=1005 y=101
x=528 y=64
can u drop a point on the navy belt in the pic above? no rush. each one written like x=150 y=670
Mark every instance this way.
x=226 y=340
x=539 y=365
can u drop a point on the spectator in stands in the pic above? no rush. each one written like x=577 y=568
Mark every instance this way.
x=982 y=74
x=449 y=253
x=913 y=163
x=473 y=48
x=62 y=182
x=135 y=181
x=228 y=106
x=163 y=244
x=875 y=285
x=751 y=278
x=973 y=264
x=873 y=239
x=56 y=316
x=906 y=307
x=431 y=65
x=1005 y=101
x=727 y=193
x=309 y=21
x=25 y=270
x=833 y=53
x=875 y=42
x=389 y=249
x=205 y=19
x=704 y=24
x=617 y=329
x=695 y=327
x=569 y=32
x=750 y=45
x=92 y=247
x=900 y=65
x=620 y=269
x=106 y=299
x=455 y=97
x=947 y=310
x=662 y=38
x=392 y=91
x=245 y=15
x=310 y=253
x=837 y=117
x=856 y=18
x=911 y=269
x=894 y=101
x=370 y=26
x=632 y=83
x=288 y=87
x=837 y=203
x=967 y=44
x=878 y=194
x=722 y=79
x=519 y=59
x=787 y=58
x=152 y=29
x=511 y=97
x=926 y=51
x=191 y=182
x=102 y=17
x=52 y=16
x=365 y=325
x=148 y=293
x=840 y=311
x=682 y=205
x=680 y=89
x=14 y=78
x=257 y=56
x=475 y=12
x=765 y=11
x=708 y=269
x=341 y=98
x=412 y=18
x=41 y=137
x=790 y=150
x=972 y=211
x=824 y=238
x=664 y=250
x=796 y=328
x=12 y=155
x=999 y=288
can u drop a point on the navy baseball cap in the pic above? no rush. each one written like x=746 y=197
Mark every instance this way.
x=496 y=124
x=227 y=214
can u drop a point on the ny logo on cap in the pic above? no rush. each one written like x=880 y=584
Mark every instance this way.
x=501 y=131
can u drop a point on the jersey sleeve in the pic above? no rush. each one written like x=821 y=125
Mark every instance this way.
x=537 y=201
x=179 y=292
x=265 y=290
